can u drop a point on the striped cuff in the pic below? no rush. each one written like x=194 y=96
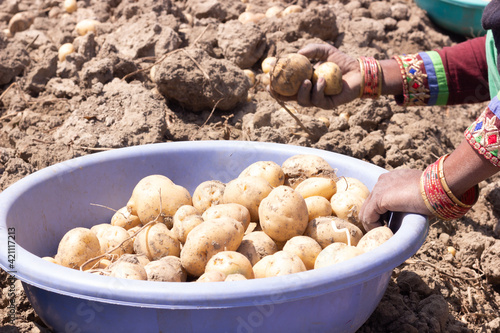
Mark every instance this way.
x=424 y=80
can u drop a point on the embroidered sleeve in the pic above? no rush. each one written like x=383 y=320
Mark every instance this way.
x=483 y=134
x=452 y=75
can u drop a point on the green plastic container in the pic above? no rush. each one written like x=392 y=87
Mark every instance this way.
x=462 y=17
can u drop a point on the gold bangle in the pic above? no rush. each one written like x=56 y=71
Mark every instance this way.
x=455 y=200
x=424 y=196
x=380 y=78
x=362 y=85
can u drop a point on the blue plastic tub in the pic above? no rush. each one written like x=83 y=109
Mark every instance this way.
x=41 y=207
x=462 y=17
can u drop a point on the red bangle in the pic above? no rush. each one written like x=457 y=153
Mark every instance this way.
x=438 y=197
x=371 y=78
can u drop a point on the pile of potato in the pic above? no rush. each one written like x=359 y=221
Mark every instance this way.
x=271 y=220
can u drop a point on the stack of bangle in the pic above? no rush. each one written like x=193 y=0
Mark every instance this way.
x=371 y=78
x=438 y=197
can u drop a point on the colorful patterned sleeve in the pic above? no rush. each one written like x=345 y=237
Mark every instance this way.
x=483 y=134
x=452 y=75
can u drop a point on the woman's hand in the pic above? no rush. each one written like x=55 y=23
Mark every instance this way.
x=313 y=95
x=397 y=191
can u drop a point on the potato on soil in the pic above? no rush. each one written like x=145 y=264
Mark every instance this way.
x=332 y=74
x=325 y=187
x=166 y=269
x=113 y=237
x=123 y=218
x=86 y=26
x=322 y=230
x=208 y=194
x=212 y=277
x=20 y=21
x=185 y=219
x=335 y=253
x=157 y=241
x=127 y=270
x=318 y=206
x=374 y=238
x=234 y=210
x=157 y=197
x=306 y=248
x=230 y=262
x=297 y=168
x=208 y=239
x=353 y=185
x=283 y=214
x=257 y=245
x=64 y=50
x=76 y=247
x=284 y=263
x=289 y=72
x=249 y=192
x=269 y=170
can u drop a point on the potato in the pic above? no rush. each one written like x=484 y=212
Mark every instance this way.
x=250 y=76
x=283 y=214
x=114 y=236
x=135 y=259
x=374 y=238
x=318 y=206
x=347 y=205
x=289 y=72
x=123 y=218
x=335 y=253
x=212 y=277
x=86 y=26
x=70 y=6
x=249 y=192
x=284 y=263
x=353 y=185
x=51 y=259
x=332 y=74
x=260 y=268
x=235 y=277
x=325 y=187
x=185 y=219
x=76 y=247
x=234 y=210
x=132 y=232
x=274 y=11
x=257 y=245
x=297 y=168
x=99 y=229
x=230 y=262
x=207 y=239
x=64 y=50
x=166 y=269
x=156 y=241
x=306 y=248
x=267 y=64
x=156 y=197
x=127 y=270
x=292 y=9
x=20 y=21
x=328 y=230
x=269 y=170
x=207 y=194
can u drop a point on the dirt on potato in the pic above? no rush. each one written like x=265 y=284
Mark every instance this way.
x=104 y=96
